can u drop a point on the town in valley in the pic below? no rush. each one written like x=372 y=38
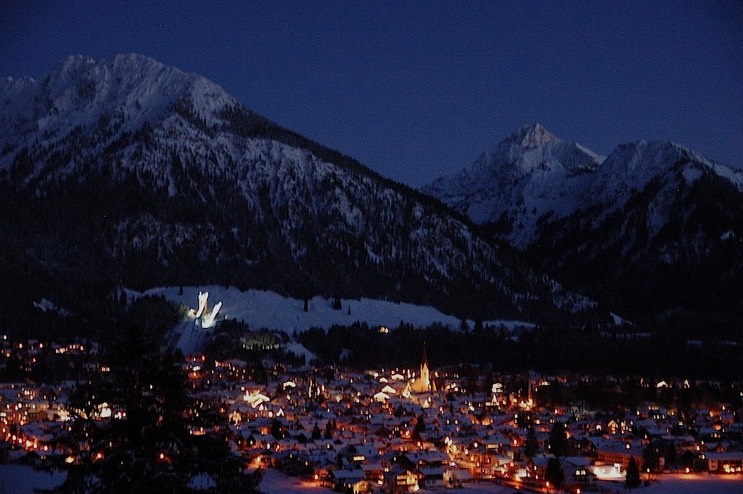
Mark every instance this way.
x=398 y=429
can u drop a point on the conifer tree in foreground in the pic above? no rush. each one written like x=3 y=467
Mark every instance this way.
x=145 y=445
x=633 y=474
x=554 y=473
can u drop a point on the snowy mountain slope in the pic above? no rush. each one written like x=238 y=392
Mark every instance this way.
x=654 y=230
x=630 y=167
x=128 y=172
x=113 y=97
x=528 y=175
x=666 y=242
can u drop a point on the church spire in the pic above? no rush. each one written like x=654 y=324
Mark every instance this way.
x=425 y=372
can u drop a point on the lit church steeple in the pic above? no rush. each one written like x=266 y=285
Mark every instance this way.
x=423 y=383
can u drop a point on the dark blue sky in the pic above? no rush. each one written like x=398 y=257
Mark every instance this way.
x=418 y=89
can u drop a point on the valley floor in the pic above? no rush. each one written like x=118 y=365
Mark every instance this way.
x=275 y=482
x=22 y=479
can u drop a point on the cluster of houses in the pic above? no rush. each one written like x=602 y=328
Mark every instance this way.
x=400 y=430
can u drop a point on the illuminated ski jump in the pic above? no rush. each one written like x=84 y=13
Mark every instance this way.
x=204 y=315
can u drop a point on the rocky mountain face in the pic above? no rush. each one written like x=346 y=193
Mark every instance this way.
x=529 y=175
x=654 y=230
x=126 y=172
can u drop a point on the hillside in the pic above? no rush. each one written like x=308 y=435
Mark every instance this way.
x=653 y=230
x=267 y=310
x=126 y=172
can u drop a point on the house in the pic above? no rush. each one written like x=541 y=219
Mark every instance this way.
x=578 y=474
x=729 y=462
x=455 y=477
x=399 y=480
x=293 y=463
x=612 y=473
x=373 y=473
x=537 y=466
x=344 y=480
x=431 y=477
x=618 y=452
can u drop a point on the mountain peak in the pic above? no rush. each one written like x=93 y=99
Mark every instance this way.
x=127 y=69
x=166 y=143
x=531 y=136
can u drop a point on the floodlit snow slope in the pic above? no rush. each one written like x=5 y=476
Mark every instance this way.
x=261 y=309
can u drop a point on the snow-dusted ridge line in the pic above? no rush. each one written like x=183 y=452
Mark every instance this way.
x=528 y=175
x=122 y=93
x=631 y=167
x=532 y=175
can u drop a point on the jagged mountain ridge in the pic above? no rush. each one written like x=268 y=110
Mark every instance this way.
x=664 y=244
x=528 y=175
x=135 y=173
x=653 y=230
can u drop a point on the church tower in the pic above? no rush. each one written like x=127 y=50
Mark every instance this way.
x=425 y=373
x=423 y=383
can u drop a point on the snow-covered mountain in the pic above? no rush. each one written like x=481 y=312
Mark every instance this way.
x=655 y=229
x=528 y=175
x=128 y=172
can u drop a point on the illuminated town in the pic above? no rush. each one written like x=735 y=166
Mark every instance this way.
x=393 y=430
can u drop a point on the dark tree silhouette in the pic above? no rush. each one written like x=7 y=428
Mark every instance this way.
x=633 y=474
x=531 y=447
x=145 y=446
x=554 y=472
x=316 y=433
x=558 y=440
x=420 y=424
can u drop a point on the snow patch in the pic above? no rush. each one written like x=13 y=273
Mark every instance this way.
x=300 y=350
x=691 y=174
x=46 y=305
x=262 y=309
x=23 y=479
x=619 y=320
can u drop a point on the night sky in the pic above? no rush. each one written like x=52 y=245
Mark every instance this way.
x=416 y=90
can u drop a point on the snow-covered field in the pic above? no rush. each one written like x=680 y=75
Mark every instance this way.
x=262 y=309
x=23 y=479
x=276 y=483
x=693 y=483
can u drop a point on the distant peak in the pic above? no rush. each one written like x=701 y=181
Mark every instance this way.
x=127 y=64
x=70 y=67
x=77 y=60
x=531 y=136
x=129 y=60
x=656 y=149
